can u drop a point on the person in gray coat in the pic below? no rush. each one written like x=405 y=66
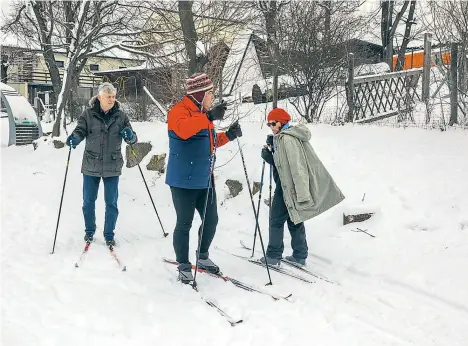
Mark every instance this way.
x=104 y=125
x=304 y=188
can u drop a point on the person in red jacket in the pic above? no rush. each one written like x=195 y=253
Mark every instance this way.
x=192 y=146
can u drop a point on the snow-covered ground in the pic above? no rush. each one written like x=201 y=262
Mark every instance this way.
x=406 y=286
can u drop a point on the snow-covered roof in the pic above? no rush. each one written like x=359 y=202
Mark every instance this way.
x=7 y=39
x=167 y=55
x=147 y=65
x=4 y=87
x=18 y=42
x=233 y=62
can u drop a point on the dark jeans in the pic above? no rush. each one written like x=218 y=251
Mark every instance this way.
x=111 y=195
x=185 y=202
x=278 y=216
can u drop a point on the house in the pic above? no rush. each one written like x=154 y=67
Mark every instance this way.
x=25 y=70
x=365 y=52
x=164 y=76
x=247 y=63
x=248 y=68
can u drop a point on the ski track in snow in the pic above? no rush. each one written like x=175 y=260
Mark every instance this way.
x=403 y=287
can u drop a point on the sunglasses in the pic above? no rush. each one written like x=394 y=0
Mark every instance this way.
x=273 y=123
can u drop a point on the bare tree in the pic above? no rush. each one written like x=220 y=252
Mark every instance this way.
x=17 y=63
x=7 y=61
x=196 y=61
x=313 y=40
x=196 y=33
x=271 y=11
x=4 y=69
x=389 y=28
x=80 y=29
x=448 y=21
x=409 y=21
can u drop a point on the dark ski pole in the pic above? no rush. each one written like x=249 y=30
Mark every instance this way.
x=258 y=206
x=149 y=193
x=271 y=178
x=255 y=212
x=61 y=199
x=202 y=227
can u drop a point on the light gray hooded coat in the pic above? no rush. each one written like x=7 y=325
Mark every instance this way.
x=308 y=188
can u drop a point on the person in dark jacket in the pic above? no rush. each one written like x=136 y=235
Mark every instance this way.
x=192 y=145
x=104 y=125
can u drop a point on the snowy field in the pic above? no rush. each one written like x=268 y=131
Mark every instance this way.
x=405 y=286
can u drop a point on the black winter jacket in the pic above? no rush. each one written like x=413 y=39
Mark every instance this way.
x=103 y=154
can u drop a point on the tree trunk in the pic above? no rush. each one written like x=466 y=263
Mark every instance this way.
x=72 y=104
x=48 y=54
x=385 y=29
x=327 y=23
x=4 y=71
x=272 y=44
x=73 y=66
x=406 y=39
x=453 y=84
x=190 y=34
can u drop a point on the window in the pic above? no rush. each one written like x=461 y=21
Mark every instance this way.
x=60 y=63
x=93 y=67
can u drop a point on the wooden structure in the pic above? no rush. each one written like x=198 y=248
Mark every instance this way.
x=376 y=97
x=381 y=96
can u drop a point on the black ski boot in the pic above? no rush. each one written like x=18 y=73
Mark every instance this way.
x=89 y=237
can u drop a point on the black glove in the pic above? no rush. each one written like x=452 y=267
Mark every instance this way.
x=234 y=131
x=217 y=112
x=269 y=140
x=267 y=155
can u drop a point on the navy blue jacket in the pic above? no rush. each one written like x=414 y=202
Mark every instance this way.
x=191 y=141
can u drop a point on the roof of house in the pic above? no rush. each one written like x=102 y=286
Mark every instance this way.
x=9 y=40
x=237 y=54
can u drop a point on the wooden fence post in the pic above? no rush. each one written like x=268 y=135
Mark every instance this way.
x=350 y=88
x=220 y=85
x=453 y=84
x=427 y=66
x=143 y=101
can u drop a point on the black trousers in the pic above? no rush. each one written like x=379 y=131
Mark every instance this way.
x=185 y=202
x=278 y=217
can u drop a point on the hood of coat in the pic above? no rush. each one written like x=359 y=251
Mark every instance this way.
x=301 y=132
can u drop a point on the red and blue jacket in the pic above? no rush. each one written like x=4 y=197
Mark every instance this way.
x=192 y=138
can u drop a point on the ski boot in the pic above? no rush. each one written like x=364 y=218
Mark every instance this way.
x=300 y=262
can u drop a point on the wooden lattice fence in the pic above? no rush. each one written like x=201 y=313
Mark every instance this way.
x=381 y=96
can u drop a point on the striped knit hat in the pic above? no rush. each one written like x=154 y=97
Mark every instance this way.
x=198 y=82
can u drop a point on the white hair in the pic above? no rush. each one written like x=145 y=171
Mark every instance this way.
x=106 y=88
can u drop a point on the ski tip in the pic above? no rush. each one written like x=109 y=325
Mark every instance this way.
x=235 y=323
x=124 y=269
